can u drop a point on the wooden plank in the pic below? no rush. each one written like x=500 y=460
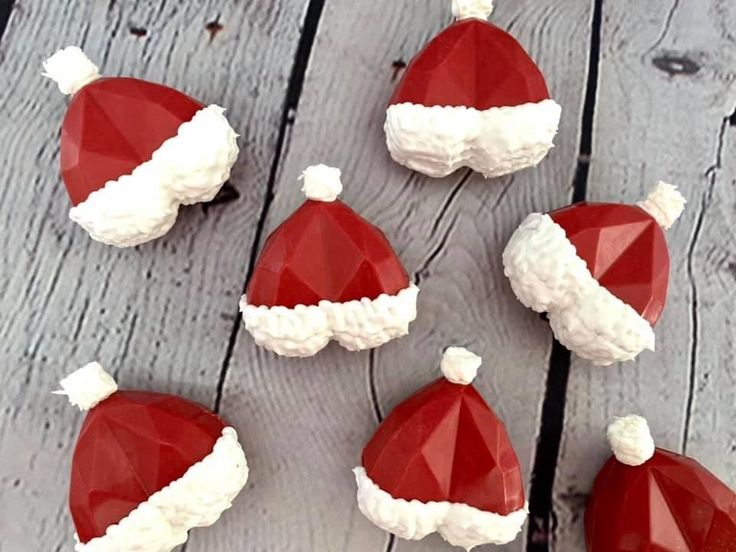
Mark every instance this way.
x=450 y=234
x=666 y=87
x=159 y=315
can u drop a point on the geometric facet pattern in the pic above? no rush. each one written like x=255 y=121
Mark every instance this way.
x=472 y=63
x=669 y=504
x=133 y=444
x=113 y=125
x=325 y=251
x=446 y=444
x=625 y=250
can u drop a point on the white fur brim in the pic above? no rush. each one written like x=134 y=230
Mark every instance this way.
x=459 y=524
x=197 y=499
x=439 y=140
x=188 y=168
x=305 y=330
x=547 y=275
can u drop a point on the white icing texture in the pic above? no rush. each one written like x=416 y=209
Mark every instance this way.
x=322 y=183
x=437 y=140
x=71 y=69
x=631 y=441
x=188 y=168
x=460 y=365
x=459 y=524
x=88 y=386
x=665 y=204
x=305 y=330
x=197 y=499
x=464 y=9
x=547 y=275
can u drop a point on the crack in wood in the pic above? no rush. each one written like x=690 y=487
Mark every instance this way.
x=291 y=103
x=712 y=175
x=372 y=385
x=6 y=9
x=542 y=515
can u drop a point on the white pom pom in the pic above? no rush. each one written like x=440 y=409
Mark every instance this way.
x=88 y=386
x=665 y=204
x=460 y=365
x=70 y=69
x=630 y=440
x=321 y=183
x=465 y=9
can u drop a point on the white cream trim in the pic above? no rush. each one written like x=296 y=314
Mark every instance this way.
x=460 y=365
x=88 y=386
x=439 y=140
x=464 y=9
x=459 y=524
x=70 y=69
x=321 y=183
x=188 y=168
x=665 y=204
x=630 y=439
x=197 y=499
x=547 y=275
x=305 y=330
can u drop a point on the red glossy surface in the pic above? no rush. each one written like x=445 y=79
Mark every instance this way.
x=475 y=64
x=625 y=250
x=669 y=504
x=131 y=445
x=445 y=444
x=325 y=250
x=112 y=126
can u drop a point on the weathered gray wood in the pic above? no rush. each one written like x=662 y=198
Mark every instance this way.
x=666 y=89
x=159 y=315
x=317 y=414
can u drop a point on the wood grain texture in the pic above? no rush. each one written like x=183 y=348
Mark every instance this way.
x=158 y=315
x=666 y=90
x=163 y=316
x=449 y=233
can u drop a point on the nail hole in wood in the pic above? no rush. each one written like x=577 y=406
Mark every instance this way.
x=398 y=66
x=675 y=65
x=138 y=32
x=213 y=27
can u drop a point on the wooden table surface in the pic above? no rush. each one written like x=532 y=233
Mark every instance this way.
x=649 y=92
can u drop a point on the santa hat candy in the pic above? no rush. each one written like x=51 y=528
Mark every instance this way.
x=147 y=467
x=647 y=498
x=326 y=273
x=472 y=98
x=132 y=151
x=442 y=461
x=600 y=271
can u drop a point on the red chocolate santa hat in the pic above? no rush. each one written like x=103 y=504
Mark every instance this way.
x=442 y=461
x=647 y=498
x=327 y=273
x=132 y=151
x=600 y=271
x=473 y=97
x=147 y=467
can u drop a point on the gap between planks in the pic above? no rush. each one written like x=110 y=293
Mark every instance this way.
x=291 y=103
x=542 y=518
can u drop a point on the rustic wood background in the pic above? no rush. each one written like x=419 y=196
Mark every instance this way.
x=649 y=91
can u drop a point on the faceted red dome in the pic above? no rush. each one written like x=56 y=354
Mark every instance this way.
x=625 y=250
x=446 y=444
x=472 y=63
x=131 y=445
x=112 y=126
x=669 y=504
x=325 y=251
